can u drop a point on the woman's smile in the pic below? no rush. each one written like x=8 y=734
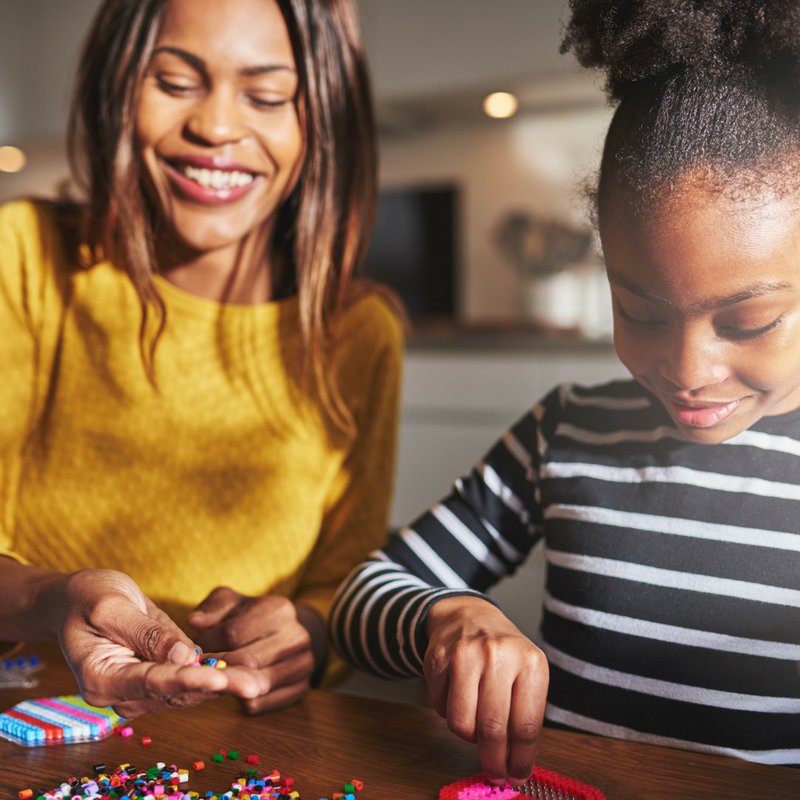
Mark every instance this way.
x=210 y=181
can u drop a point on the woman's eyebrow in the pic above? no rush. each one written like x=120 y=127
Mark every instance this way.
x=756 y=289
x=190 y=58
x=200 y=65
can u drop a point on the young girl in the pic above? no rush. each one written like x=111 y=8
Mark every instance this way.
x=200 y=405
x=669 y=505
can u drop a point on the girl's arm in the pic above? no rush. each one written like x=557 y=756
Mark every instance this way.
x=416 y=607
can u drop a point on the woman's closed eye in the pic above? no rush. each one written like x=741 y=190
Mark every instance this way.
x=269 y=101
x=176 y=85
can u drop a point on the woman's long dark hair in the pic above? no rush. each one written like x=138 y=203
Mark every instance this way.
x=322 y=228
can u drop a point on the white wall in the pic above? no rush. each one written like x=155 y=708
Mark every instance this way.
x=537 y=162
x=39 y=40
x=435 y=46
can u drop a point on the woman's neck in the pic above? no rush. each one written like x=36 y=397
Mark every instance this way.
x=246 y=273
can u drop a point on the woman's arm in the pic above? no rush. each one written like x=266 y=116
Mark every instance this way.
x=122 y=649
x=287 y=638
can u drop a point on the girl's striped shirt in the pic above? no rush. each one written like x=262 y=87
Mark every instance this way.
x=672 y=600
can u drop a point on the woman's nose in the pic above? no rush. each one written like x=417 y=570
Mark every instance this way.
x=693 y=359
x=216 y=119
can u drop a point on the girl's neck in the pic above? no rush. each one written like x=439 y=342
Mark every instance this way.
x=245 y=273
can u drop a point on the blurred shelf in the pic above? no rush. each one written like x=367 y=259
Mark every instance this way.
x=518 y=335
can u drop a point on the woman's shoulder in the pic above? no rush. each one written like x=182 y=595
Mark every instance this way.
x=373 y=319
x=34 y=224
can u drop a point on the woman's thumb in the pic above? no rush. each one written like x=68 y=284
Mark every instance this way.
x=160 y=642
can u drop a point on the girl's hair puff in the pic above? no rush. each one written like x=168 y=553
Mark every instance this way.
x=709 y=88
x=322 y=228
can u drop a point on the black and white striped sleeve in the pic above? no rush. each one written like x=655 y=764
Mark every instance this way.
x=480 y=533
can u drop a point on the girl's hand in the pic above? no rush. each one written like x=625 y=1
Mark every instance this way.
x=285 y=642
x=489 y=682
x=125 y=652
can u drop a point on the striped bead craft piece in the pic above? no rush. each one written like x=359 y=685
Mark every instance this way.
x=57 y=720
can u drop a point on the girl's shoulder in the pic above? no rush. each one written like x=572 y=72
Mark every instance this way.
x=619 y=403
x=619 y=393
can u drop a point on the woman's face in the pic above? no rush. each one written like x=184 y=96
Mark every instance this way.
x=706 y=296
x=217 y=124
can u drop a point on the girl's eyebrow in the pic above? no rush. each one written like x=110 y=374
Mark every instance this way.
x=756 y=289
x=200 y=65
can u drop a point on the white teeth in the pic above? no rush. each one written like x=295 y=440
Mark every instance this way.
x=217 y=178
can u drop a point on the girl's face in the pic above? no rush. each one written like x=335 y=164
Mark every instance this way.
x=217 y=125
x=706 y=296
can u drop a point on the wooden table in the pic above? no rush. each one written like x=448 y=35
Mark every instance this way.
x=400 y=752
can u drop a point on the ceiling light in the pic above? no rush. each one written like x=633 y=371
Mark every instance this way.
x=500 y=105
x=12 y=159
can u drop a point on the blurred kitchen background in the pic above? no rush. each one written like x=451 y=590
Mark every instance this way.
x=489 y=139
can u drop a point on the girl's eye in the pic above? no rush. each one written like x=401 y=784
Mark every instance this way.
x=645 y=323
x=732 y=332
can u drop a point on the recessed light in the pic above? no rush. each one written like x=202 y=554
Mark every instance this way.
x=500 y=105
x=12 y=159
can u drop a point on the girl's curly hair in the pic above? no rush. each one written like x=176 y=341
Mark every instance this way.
x=710 y=87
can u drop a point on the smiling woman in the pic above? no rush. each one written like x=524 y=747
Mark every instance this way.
x=219 y=133
x=199 y=439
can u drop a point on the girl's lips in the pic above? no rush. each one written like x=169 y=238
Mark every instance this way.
x=705 y=416
x=208 y=194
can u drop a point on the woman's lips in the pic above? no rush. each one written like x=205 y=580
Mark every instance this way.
x=210 y=186
x=702 y=416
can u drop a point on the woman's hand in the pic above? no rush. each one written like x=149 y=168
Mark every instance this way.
x=489 y=682
x=285 y=642
x=125 y=652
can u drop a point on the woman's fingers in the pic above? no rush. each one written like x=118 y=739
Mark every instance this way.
x=279 y=698
x=220 y=603
x=291 y=645
x=151 y=686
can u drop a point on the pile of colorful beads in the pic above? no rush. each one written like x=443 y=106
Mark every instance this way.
x=57 y=720
x=171 y=783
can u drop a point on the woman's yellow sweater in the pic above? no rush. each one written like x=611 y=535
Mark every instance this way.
x=227 y=474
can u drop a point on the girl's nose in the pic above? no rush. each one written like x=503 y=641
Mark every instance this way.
x=216 y=119
x=693 y=359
